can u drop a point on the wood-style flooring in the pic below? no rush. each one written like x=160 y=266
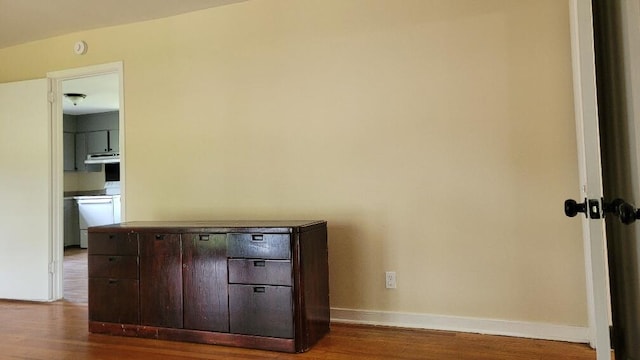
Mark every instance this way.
x=75 y=275
x=52 y=331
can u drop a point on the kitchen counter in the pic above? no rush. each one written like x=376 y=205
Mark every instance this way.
x=71 y=194
x=93 y=197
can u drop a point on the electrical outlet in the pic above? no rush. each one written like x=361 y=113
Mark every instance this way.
x=390 y=279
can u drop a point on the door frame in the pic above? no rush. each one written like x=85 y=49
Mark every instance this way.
x=590 y=174
x=56 y=79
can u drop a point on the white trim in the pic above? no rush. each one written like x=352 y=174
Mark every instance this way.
x=590 y=172
x=56 y=186
x=522 y=329
x=57 y=183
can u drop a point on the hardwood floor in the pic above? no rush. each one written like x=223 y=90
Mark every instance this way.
x=75 y=275
x=53 y=331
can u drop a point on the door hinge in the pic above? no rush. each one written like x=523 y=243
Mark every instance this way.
x=52 y=267
x=51 y=96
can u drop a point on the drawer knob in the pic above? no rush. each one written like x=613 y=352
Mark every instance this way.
x=112 y=258
x=113 y=281
x=159 y=237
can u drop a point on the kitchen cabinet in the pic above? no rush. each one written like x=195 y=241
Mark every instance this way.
x=81 y=151
x=114 y=141
x=69 y=151
x=251 y=284
x=89 y=134
x=71 y=223
x=102 y=142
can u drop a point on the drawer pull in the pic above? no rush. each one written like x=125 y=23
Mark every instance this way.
x=159 y=237
x=113 y=281
x=111 y=236
x=257 y=238
x=204 y=237
x=112 y=258
x=259 y=263
x=259 y=289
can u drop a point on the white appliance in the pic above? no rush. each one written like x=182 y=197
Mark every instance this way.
x=96 y=211
x=109 y=158
x=112 y=188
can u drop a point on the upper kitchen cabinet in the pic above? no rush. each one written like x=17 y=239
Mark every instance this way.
x=81 y=151
x=114 y=141
x=102 y=142
x=101 y=130
x=89 y=134
x=97 y=142
x=69 y=125
x=69 y=151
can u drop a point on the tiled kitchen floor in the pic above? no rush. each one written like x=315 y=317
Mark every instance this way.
x=75 y=275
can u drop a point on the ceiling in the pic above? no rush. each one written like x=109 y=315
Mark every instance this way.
x=23 y=21
x=103 y=94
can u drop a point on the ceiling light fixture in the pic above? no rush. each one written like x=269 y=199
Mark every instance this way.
x=75 y=98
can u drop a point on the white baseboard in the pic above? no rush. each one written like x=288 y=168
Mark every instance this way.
x=463 y=324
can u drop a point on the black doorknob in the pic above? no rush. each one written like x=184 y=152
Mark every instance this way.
x=623 y=210
x=627 y=213
x=572 y=207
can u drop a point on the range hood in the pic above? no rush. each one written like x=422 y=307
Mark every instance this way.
x=110 y=158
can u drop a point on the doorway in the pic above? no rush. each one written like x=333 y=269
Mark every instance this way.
x=94 y=111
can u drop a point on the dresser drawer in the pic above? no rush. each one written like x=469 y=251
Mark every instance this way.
x=113 y=266
x=114 y=300
x=113 y=244
x=261 y=310
x=260 y=246
x=266 y=272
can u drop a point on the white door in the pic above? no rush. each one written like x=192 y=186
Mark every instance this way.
x=25 y=188
x=588 y=136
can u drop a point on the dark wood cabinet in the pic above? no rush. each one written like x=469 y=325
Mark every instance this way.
x=257 y=284
x=260 y=285
x=114 y=300
x=264 y=246
x=263 y=310
x=113 y=278
x=259 y=271
x=161 y=280
x=205 y=282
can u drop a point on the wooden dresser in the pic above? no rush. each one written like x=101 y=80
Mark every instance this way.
x=254 y=284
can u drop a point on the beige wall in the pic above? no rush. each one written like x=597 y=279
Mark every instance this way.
x=83 y=180
x=436 y=137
